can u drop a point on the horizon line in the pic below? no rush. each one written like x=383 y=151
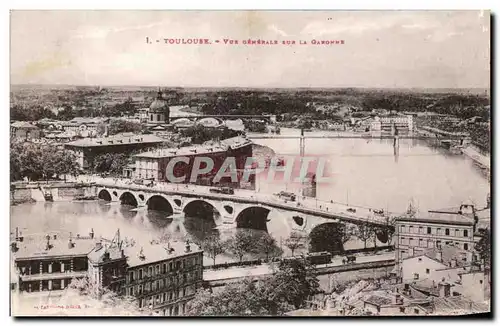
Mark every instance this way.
x=254 y=87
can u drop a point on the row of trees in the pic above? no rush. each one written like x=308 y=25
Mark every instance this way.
x=243 y=242
x=40 y=162
x=200 y=134
x=289 y=288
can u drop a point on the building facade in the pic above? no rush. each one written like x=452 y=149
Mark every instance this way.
x=164 y=278
x=416 y=235
x=86 y=150
x=22 y=130
x=161 y=277
x=153 y=164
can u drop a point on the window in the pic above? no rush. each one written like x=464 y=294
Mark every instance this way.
x=131 y=276
x=429 y=230
x=420 y=259
x=158 y=117
x=157 y=269
x=415 y=276
x=140 y=274
x=466 y=233
x=438 y=231
x=164 y=268
x=151 y=117
x=466 y=246
x=411 y=228
x=402 y=309
x=447 y=232
x=416 y=311
x=427 y=271
x=150 y=271
x=420 y=229
x=438 y=244
x=480 y=281
x=170 y=267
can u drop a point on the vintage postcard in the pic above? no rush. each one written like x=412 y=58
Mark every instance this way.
x=250 y=163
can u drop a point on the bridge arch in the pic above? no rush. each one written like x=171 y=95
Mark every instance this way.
x=253 y=217
x=159 y=203
x=201 y=208
x=327 y=237
x=104 y=195
x=127 y=198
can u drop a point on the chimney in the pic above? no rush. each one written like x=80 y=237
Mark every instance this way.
x=141 y=254
x=439 y=255
x=55 y=236
x=444 y=289
x=48 y=245
x=17 y=233
x=91 y=234
x=71 y=244
x=396 y=298
x=78 y=235
x=188 y=246
x=14 y=247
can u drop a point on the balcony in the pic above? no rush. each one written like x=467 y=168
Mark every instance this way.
x=52 y=276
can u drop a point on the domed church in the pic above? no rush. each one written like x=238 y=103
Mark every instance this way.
x=159 y=112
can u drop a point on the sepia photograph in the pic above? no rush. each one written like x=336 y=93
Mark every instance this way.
x=256 y=163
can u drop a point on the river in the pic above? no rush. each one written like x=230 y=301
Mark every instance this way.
x=366 y=172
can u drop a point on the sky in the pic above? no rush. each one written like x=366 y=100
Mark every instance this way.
x=382 y=49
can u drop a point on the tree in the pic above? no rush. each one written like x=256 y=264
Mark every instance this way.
x=101 y=301
x=244 y=298
x=294 y=282
x=483 y=246
x=364 y=233
x=213 y=246
x=295 y=241
x=117 y=126
x=241 y=243
x=267 y=245
x=329 y=237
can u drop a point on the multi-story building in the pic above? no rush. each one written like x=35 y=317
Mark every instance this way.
x=417 y=234
x=22 y=130
x=153 y=164
x=87 y=149
x=50 y=264
x=162 y=277
x=398 y=122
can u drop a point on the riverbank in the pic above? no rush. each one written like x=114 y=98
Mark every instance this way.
x=482 y=160
x=24 y=192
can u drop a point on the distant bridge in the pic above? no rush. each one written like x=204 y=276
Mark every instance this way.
x=224 y=116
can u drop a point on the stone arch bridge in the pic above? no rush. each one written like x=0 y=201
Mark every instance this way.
x=238 y=211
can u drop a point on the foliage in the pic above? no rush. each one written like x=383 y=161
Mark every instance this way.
x=267 y=245
x=102 y=301
x=483 y=246
x=295 y=281
x=200 y=134
x=117 y=126
x=255 y=126
x=286 y=290
x=241 y=243
x=213 y=246
x=112 y=163
x=295 y=241
x=35 y=113
x=329 y=237
x=39 y=162
x=364 y=232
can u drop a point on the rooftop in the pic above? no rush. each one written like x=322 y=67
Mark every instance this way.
x=154 y=252
x=116 y=141
x=23 y=124
x=57 y=247
x=214 y=147
x=458 y=303
x=441 y=217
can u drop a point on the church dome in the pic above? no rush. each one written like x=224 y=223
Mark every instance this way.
x=159 y=104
